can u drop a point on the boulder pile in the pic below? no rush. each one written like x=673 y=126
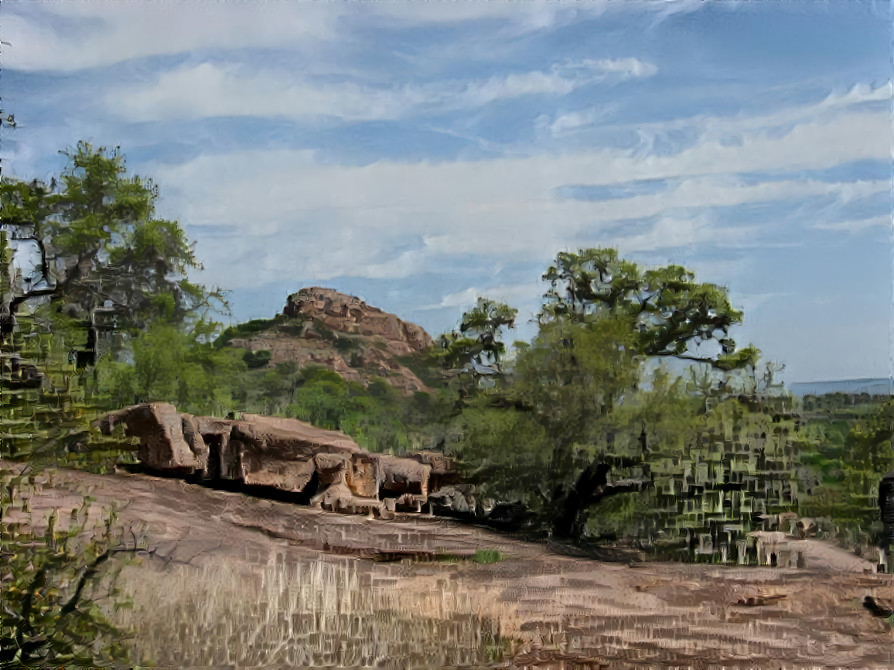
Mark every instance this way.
x=287 y=455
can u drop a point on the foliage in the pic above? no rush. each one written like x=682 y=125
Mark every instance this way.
x=478 y=345
x=669 y=312
x=88 y=273
x=552 y=430
x=103 y=259
x=170 y=364
x=850 y=456
x=51 y=579
x=246 y=329
x=487 y=556
x=257 y=359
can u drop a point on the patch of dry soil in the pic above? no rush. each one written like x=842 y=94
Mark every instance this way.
x=563 y=612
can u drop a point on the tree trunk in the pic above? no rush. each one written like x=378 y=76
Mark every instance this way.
x=569 y=520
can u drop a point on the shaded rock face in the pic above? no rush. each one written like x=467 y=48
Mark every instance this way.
x=284 y=454
x=342 y=333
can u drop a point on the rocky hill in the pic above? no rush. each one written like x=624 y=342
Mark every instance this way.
x=320 y=326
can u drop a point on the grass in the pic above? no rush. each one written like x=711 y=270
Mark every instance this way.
x=481 y=556
x=486 y=556
x=309 y=613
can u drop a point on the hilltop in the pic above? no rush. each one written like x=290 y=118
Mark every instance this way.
x=322 y=327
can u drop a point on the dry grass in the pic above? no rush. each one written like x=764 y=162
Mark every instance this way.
x=310 y=613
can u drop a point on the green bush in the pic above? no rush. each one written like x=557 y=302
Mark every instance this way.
x=486 y=556
x=52 y=612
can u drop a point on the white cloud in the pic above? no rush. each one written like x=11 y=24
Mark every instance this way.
x=467 y=298
x=208 y=90
x=675 y=233
x=627 y=67
x=857 y=225
x=69 y=36
x=332 y=220
x=727 y=128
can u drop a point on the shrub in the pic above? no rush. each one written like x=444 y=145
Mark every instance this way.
x=51 y=614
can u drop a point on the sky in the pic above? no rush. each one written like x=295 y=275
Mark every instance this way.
x=422 y=154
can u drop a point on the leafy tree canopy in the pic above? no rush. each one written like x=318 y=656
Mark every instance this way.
x=478 y=344
x=602 y=319
x=90 y=247
x=670 y=312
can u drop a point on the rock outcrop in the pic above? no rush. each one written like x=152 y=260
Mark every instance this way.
x=169 y=440
x=287 y=455
x=347 y=314
x=326 y=328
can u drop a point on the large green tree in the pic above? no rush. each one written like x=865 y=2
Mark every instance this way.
x=671 y=314
x=89 y=250
x=603 y=318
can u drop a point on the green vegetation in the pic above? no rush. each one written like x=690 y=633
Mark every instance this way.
x=95 y=310
x=487 y=556
x=51 y=614
x=246 y=329
x=550 y=430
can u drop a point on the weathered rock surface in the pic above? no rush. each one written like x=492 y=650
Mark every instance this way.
x=168 y=440
x=284 y=454
x=370 y=340
x=444 y=471
x=403 y=475
x=347 y=314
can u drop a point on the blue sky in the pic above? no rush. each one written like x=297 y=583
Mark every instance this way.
x=420 y=154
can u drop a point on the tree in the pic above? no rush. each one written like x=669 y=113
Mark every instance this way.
x=174 y=365
x=88 y=248
x=85 y=268
x=48 y=585
x=671 y=314
x=602 y=318
x=478 y=346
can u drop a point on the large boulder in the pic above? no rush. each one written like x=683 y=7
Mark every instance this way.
x=453 y=501
x=280 y=452
x=338 y=497
x=223 y=460
x=362 y=476
x=444 y=471
x=401 y=476
x=332 y=468
x=169 y=440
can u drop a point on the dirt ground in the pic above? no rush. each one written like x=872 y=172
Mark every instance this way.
x=562 y=612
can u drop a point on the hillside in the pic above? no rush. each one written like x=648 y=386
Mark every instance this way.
x=322 y=327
